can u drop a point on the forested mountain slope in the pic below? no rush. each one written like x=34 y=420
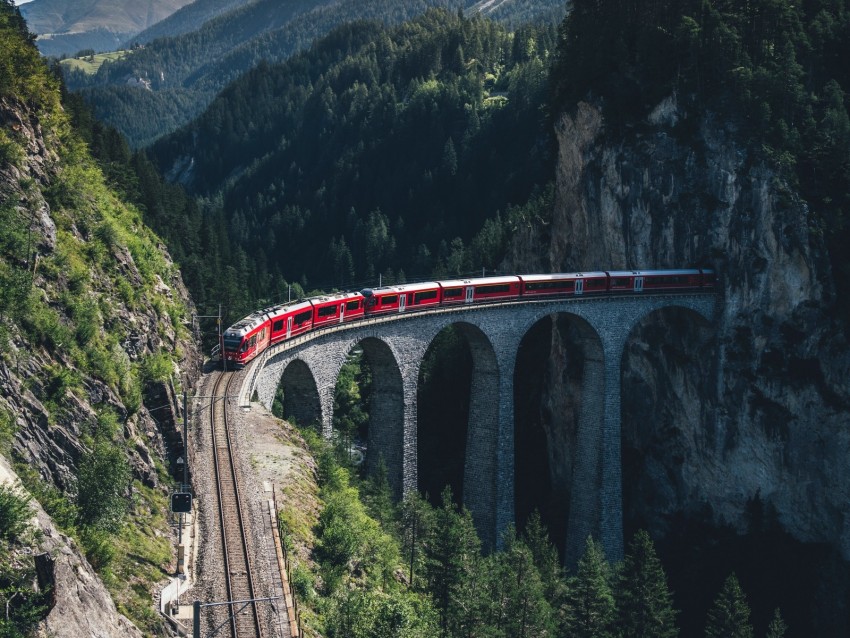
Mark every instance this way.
x=373 y=150
x=189 y=18
x=187 y=71
x=92 y=322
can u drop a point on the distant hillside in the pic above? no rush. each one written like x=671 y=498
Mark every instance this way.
x=187 y=71
x=67 y=26
x=401 y=143
x=189 y=18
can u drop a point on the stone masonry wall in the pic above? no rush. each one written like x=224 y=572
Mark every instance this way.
x=399 y=343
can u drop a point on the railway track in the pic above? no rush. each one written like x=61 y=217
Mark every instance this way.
x=245 y=618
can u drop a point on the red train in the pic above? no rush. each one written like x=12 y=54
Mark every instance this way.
x=248 y=337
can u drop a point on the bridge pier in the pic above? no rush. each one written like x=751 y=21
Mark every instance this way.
x=396 y=346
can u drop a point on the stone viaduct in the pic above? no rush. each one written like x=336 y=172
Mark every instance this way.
x=308 y=367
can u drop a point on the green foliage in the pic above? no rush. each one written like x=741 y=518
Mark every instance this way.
x=644 y=603
x=23 y=607
x=14 y=514
x=371 y=613
x=103 y=477
x=453 y=555
x=157 y=367
x=349 y=541
x=23 y=74
x=10 y=151
x=366 y=94
x=8 y=430
x=514 y=593
x=777 y=627
x=729 y=616
x=197 y=65
x=591 y=598
x=351 y=398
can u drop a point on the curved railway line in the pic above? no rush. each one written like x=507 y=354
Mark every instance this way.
x=245 y=618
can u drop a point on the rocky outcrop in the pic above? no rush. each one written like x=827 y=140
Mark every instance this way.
x=55 y=406
x=79 y=603
x=753 y=407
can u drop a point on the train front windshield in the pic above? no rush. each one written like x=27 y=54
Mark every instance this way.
x=231 y=344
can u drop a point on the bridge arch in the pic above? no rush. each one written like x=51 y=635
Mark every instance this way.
x=301 y=401
x=559 y=414
x=386 y=411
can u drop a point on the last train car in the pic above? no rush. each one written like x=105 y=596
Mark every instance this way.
x=247 y=338
x=621 y=281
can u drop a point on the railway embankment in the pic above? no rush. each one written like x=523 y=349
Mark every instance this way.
x=272 y=465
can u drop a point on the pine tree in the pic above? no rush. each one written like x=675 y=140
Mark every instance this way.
x=777 y=627
x=453 y=555
x=644 y=604
x=548 y=564
x=729 y=617
x=591 y=600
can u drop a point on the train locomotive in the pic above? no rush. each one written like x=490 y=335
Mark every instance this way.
x=250 y=336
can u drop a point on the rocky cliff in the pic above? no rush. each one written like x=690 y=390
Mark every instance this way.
x=92 y=315
x=754 y=408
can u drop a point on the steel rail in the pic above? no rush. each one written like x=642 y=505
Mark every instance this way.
x=237 y=562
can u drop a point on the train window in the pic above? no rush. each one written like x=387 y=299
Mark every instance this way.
x=352 y=305
x=277 y=326
x=550 y=285
x=452 y=292
x=232 y=343
x=301 y=317
x=425 y=295
x=385 y=301
x=326 y=311
x=618 y=282
x=492 y=289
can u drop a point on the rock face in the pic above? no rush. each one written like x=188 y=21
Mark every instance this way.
x=54 y=421
x=81 y=606
x=753 y=407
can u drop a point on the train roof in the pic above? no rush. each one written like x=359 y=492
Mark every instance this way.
x=246 y=325
x=335 y=296
x=415 y=287
x=283 y=308
x=653 y=273
x=558 y=276
x=480 y=281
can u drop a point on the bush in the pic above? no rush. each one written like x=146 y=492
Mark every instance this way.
x=101 y=485
x=14 y=513
x=157 y=367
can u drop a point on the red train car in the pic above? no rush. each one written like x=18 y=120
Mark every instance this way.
x=655 y=280
x=245 y=339
x=576 y=283
x=404 y=298
x=337 y=308
x=480 y=289
x=290 y=320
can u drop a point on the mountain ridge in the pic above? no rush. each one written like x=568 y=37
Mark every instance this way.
x=62 y=25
